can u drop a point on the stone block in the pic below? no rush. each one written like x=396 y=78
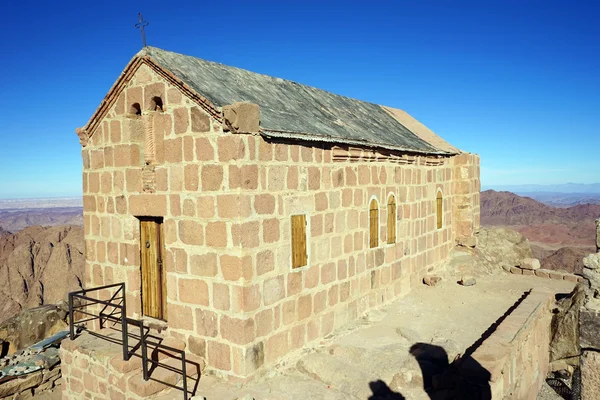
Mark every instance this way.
x=219 y=355
x=242 y=117
x=221 y=296
x=571 y=278
x=274 y=290
x=516 y=270
x=200 y=120
x=193 y=291
x=216 y=234
x=148 y=205
x=239 y=331
x=542 y=273
x=528 y=272
x=212 y=177
x=161 y=379
x=555 y=275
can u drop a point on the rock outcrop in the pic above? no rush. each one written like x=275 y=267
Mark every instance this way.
x=589 y=324
x=496 y=248
x=39 y=266
x=30 y=327
x=564 y=343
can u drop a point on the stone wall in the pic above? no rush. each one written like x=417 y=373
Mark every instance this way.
x=516 y=354
x=466 y=203
x=29 y=373
x=93 y=367
x=226 y=200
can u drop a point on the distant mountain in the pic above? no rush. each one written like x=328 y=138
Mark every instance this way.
x=562 y=200
x=582 y=188
x=559 y=236
x=14 y=220
x=39 y=266
x=506 y=208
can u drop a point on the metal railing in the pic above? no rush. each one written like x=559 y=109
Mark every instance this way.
x=88 y=301
x=117 y=313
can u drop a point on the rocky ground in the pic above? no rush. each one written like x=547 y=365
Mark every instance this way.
x=374 y=357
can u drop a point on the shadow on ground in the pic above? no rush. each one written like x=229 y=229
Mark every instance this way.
x=463 y=378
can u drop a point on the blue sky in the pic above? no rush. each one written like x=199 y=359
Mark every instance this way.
x=517 y=82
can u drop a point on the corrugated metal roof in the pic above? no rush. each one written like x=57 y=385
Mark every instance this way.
x=292 y=110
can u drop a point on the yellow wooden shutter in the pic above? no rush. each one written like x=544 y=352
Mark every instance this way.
x=373 y=224
x=391 y=220
x=440 y=209
x=299 y=256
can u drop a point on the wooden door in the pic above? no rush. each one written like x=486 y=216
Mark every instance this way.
x=153 y=275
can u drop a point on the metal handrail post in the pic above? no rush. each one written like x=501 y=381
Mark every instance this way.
x=144 y=352
x=184 y=370
x=124 y=327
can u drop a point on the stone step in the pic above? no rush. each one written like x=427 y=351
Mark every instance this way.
x=160 y=379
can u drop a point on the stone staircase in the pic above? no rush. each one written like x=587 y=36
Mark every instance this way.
x=126 y=358
x=93 y=363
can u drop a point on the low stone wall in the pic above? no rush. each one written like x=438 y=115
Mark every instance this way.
x=44 y=377
x=516 y=354
x=544 y=273
x=94 y=365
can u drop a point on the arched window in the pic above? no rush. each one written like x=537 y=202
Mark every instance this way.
x=391 y=219
x=156 y=104
x=439 y=208
x=373 y=224
x=135 y=109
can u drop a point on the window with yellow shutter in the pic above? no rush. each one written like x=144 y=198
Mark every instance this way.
x=299 y=254
x=373 y=224
x=391 y=219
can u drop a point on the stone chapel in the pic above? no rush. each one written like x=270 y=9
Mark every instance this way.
x=249 y=216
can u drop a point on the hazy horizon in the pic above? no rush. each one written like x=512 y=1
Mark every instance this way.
x=575 y=188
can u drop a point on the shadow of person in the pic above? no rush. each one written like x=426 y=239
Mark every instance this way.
x=463 y=378
x=381 y=391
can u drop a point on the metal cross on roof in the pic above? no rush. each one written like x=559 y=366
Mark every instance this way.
x=140 y=25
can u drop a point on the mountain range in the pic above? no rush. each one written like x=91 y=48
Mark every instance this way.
x=560 y=237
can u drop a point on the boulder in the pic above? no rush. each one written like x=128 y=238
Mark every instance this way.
x=467 y=280
x=593 y=276
x=31 y=326
x=564 y=341
x=497 y=249
x=530 y=263
x=503 y=246
x=431 y=280
x=592 y=261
